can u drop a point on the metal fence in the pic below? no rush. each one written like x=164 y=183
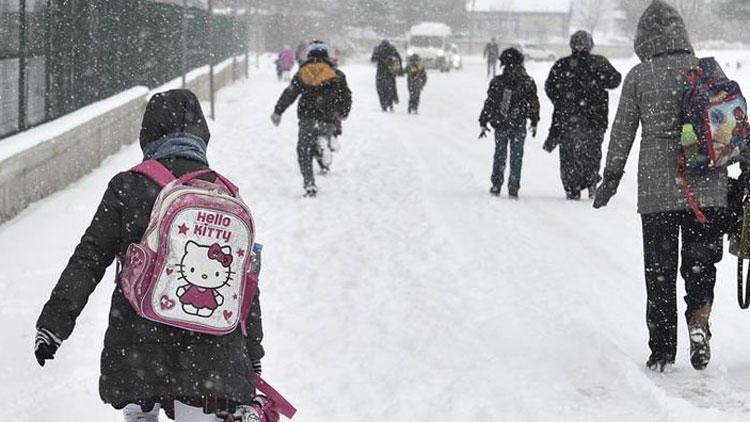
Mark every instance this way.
x=57 y=56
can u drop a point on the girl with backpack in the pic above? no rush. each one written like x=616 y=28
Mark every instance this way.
x=147 y=365
x=652 y=96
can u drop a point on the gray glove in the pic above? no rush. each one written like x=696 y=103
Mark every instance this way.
x=276 y=119
x=607 y=189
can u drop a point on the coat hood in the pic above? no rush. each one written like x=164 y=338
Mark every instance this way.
x=661 y=30
x=316 y=71
x=178 y=110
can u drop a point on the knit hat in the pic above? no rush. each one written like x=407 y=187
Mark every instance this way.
x=511 y=57
x=581 y=41
x=317 y=49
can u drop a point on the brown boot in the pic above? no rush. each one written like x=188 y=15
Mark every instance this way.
x=700 y=316
x=700 y=349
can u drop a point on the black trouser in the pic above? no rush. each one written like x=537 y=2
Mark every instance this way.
x=580 y=158
x=414 y=94
x=387 y=92
x=701 y=250
x=307 y=146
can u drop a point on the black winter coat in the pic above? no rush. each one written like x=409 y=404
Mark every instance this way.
x=577 y=86
x=143 y=360
x=511 y=99
x=383 y=55
x=323 y=91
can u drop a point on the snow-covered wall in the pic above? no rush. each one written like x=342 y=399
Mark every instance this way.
x=47 y=158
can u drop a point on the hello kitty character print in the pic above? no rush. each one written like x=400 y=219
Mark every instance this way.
x=205 y=269
x=191 y=270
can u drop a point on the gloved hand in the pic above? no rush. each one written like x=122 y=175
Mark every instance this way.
x=46 y=345
x=607 y=189
x=276 y=119
x=483 y=133
x=533 y=131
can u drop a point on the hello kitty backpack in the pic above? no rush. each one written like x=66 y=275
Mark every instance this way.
x=191 y=269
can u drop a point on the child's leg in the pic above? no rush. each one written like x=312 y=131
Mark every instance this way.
x=185 y=413
x=133 y=413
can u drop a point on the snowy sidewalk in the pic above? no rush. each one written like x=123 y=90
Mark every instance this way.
x=404 y=291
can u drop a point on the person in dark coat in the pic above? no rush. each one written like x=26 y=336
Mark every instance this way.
x=389 y=67
x=416 y=79
x=577 y=86
x=146 y=364
x=324 y=100
x=491 y=53
x=511 y=100
x=652 y=98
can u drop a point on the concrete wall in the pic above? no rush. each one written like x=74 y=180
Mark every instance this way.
x=65 y=155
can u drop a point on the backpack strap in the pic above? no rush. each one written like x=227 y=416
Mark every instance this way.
x=743 y=293
x=155 y=171
x=682 y=180
x=233 y=189
x=279 y=402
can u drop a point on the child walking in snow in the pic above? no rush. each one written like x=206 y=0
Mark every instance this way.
x=416 y=79
x=146 y=365
x=325 y=100
x=511 y=100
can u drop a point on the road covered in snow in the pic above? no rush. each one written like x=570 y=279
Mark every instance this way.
x=404 y=291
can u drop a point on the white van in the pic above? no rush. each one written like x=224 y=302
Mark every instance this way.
x=431 y=41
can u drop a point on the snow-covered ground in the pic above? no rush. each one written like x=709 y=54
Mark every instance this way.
x=404 y=292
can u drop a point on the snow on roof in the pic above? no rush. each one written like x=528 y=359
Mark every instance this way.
x=519 y=6
x=431 y=28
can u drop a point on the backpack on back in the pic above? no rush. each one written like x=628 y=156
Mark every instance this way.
x=714 y=126
x=191 y=269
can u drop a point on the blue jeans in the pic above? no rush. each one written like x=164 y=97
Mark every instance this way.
x=515 y=137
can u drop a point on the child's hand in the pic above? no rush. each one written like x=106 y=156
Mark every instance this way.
x=46 y=345
x=533 y=131
x=483 y=133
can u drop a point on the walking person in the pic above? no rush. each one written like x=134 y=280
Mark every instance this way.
x=416 y=79
x=300 y=53
x=324 y=100
x=577 y=86
x=389 y=67
x=652 y=96
x=511 y=101
x=147 y=365
x=284 y=63
x=491 y=53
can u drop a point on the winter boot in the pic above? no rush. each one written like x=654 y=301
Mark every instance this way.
x=592 y=192
x=573 y=196
x=311 y=191
x=659 y=362
x=324 y=152
x=700 y=349
x=495 y=190
x=513 y=193
x=334 y=144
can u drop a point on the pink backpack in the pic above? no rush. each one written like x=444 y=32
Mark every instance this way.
x=191 y=269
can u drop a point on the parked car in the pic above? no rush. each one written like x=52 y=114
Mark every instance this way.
x=537 y=52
